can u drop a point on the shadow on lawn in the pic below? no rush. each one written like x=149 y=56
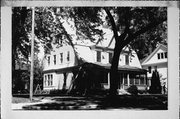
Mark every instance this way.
x=103 y=103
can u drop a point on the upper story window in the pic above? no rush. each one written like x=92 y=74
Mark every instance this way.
x=162 y=55
x=68 y=56
x=110 y=57
x=48 y=60
x=127 y=59
x=54 y=59
x=98 y=56
x=61 y=57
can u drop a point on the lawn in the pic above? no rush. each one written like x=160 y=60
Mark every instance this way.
x=143 y=102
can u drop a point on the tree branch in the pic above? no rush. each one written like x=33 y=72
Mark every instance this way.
x=143 y=30
x=112 y=23
x=148 y=27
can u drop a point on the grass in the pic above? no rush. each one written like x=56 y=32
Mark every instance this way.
x=102 y=103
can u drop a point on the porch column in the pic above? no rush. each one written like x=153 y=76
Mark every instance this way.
x=128 y=81
x=139 y=79
x=108 y=80
x=122 y=81
x=146 y=79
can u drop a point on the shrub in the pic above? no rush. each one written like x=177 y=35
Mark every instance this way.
x=57 y=91
x=133 y=90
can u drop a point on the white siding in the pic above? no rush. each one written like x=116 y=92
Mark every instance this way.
x=134 y=60
x=58 y=64
x=154 y=58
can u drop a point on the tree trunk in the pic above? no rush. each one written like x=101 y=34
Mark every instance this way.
x=114 y=69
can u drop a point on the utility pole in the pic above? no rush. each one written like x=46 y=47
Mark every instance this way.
x=32 y=57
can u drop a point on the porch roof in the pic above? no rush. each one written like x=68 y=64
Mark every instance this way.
x=124 y=68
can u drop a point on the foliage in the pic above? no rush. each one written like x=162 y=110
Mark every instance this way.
x=133 y=90
x=58 y=92
x=21 y=29
x=147 y=42
x=21 y=77
x=131 y=26
x=87 y=23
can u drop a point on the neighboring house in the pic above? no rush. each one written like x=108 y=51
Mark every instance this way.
x=61 y=63
x=158 y=58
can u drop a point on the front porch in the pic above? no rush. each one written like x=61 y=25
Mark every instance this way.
x=128 y=76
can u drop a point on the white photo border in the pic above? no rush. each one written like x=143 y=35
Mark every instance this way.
x=173 y=65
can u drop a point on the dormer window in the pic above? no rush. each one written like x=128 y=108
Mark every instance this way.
x=127 y=59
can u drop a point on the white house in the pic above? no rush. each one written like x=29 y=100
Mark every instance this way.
x=61 y=63
x=158 y=58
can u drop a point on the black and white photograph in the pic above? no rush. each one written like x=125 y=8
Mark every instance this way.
x=90 y=59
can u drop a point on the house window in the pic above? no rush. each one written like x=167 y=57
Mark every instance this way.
x=165 y=54
x=48 y=80
x=149 y=69
x=61 y=57
x=68 y=56
x=98 y=56
x=127 y=59
x=45 y=81
x=158 y=56
x=162 y=55
x=110 y=57
x=51 y=83
x=48 y=60
x=54 y=59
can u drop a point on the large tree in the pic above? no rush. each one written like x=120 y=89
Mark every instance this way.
x=128 y=24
